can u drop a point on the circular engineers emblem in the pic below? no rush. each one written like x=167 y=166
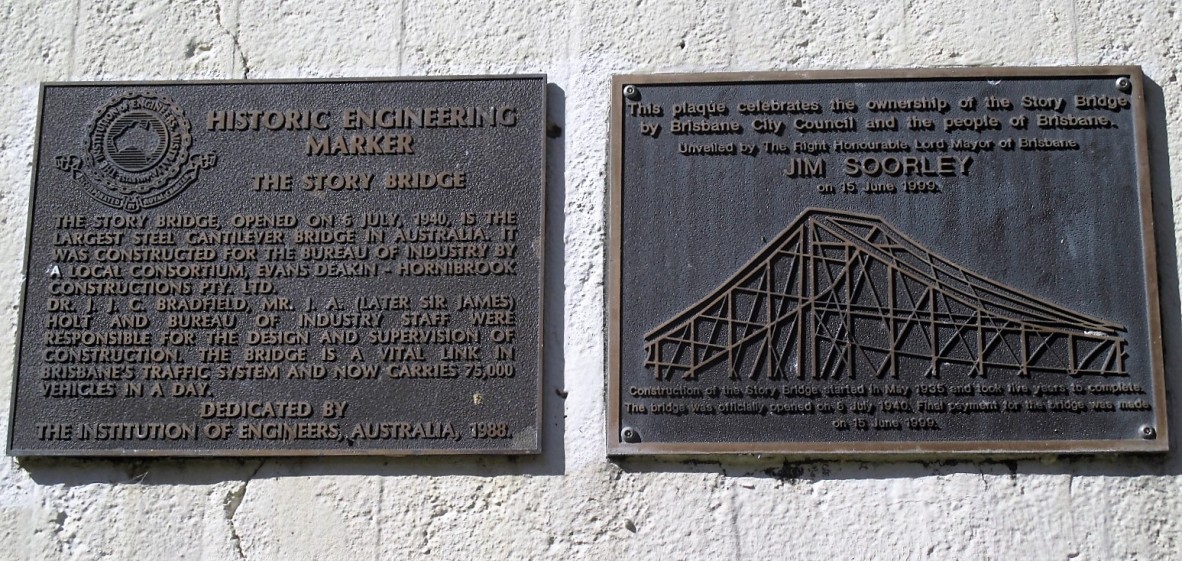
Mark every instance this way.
x=137 y=152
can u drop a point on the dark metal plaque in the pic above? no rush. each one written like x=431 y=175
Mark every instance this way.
x=284 y=268
x=913 y=261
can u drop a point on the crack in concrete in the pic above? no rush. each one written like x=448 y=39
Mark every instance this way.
x=736 y=530
x=232 y=502
x=1074 y=539
x=74 y=37
x=1075 y=30
x=217 y=5
x=401 y=35
x=62 y=538
x=378 y=514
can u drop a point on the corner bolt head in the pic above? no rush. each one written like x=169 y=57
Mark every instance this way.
x=1148 y=432
x=1124 y=84
x=629 y=434
x=631 y=92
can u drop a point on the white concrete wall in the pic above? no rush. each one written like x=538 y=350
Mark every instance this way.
x=572 y=503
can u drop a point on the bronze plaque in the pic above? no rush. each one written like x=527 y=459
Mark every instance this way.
x=911 y=261
x=284 y=268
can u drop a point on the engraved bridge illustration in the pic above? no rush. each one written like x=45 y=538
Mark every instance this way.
x=845 y=294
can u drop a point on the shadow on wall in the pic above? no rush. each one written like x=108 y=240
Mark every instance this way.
x=1126 y=465
x=552 y=460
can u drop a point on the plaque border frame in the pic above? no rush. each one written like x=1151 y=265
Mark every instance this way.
x=125 y=452
x=880 y=449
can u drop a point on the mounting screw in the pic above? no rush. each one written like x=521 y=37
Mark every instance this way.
x=1124 y=84
x=1148 y=432
x=629 y=434
x=631 y=92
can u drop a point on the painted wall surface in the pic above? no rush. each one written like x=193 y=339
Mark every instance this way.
x=571 y=503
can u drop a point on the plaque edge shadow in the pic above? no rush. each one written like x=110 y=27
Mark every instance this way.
x=882 y=449
x=10 y=450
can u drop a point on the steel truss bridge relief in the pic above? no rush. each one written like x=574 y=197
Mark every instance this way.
x=843 y=294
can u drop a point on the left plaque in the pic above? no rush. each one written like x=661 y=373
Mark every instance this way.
x=284 y=268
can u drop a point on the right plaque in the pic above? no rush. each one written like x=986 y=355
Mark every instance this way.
x=952 y=261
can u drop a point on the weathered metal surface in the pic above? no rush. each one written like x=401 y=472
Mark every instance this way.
x=284 y=268
x=954 y=261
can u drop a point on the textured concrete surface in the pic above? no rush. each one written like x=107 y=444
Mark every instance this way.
x=571 y=503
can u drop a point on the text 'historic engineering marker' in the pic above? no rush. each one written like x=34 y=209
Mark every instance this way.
x=914 y=261
x=284 y=268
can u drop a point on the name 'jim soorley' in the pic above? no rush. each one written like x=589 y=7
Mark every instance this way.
x=891 y=166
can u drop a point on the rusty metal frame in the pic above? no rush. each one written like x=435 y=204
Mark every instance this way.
x=543 y=142
x=617 y=447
